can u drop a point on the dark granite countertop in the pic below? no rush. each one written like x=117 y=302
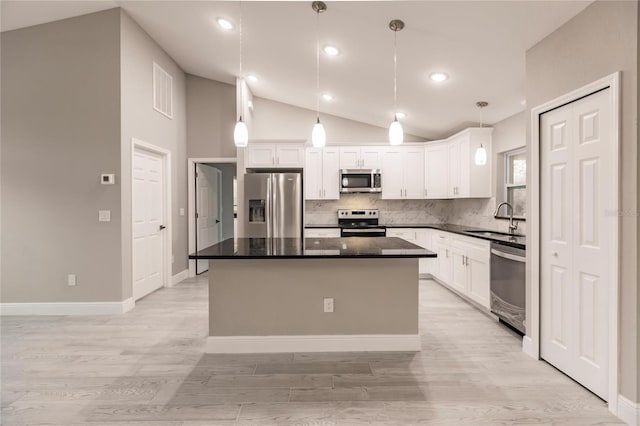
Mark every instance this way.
x=508 y=240
x=310 y=248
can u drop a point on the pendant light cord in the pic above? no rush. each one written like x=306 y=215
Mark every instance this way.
x=240 y=75
x=318 y=65
x=395 y=74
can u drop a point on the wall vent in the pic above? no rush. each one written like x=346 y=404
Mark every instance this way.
x=162 y=91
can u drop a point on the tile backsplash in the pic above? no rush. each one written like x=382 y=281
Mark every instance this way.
x=477 y=212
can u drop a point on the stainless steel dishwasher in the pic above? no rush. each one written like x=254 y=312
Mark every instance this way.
x=508 y=298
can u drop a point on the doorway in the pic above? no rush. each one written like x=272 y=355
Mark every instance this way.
x=212 y=204
x=574 y=273
x=151 y=217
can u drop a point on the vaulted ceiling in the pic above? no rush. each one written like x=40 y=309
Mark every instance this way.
x=481 y=45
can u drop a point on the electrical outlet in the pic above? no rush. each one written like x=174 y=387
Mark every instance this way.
x=328 y=304
x=181 y=211
x=71 y=280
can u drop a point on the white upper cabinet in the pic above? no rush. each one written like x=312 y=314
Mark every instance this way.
x=403 y=173
x=275 y=155
x=322 y=174
x=436 y=170
x=466 y=178
x=360 y=157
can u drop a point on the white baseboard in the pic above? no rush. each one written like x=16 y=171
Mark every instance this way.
x=315 y=343
x=628 y=411
x=182 y=275
x=527 y=347
x=70 y=308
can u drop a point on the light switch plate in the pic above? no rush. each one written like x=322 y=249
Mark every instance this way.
x=71 y=280
x=328 y=304
x=104 y=216
x=181 y=211
x=107 y=178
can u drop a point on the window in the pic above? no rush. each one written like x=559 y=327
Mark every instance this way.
x=515 y=188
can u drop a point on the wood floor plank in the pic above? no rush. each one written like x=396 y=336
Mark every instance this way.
x=315 y=368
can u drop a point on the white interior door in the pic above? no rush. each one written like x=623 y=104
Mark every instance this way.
x=208 y=210
x=148 y=222
x=575 y=239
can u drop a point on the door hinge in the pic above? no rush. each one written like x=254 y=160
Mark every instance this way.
x=197 y=215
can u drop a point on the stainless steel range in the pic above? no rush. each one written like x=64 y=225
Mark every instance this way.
x=360 y=223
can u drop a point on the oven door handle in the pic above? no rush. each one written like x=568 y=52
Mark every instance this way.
x=508 y=256
x=362 y=231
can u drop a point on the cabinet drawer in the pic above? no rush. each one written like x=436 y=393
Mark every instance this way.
x=322 y=232
x=408 y=234
x=473 y=247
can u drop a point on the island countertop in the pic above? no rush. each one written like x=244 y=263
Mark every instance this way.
x=309 y=248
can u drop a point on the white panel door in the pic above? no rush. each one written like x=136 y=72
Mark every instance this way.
x=261 y=155
x=414 y=173
x=148 y=223
x=454 y=170
x=289 y=155
x=209 y=210
x=436 y=171
x=371 y=157
x=575 y=186
x=330 y=174
x=349 y=157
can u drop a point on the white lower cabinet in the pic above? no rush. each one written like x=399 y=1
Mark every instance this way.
x=463 y=264
x=321 y=232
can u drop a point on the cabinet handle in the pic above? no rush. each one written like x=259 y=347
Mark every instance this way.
x=400 y=192
x=273 y=160
x=447 y=252
x=425 y=192
x=324 y=192
x=319 y=192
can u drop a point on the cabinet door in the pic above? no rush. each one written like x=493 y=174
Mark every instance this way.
x=392 y=174
x=478 y=278
x=371 y=157
x=289 y=156
x=444 y=264
x=313 y=174
x=261 y=155
x=464 y=172
x=414 y=173
x=459 y=271
x=331 y=173
x=454 y=169
x=349 y=157
x=436 y=171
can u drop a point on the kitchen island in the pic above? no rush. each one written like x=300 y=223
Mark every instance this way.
x=270 y=294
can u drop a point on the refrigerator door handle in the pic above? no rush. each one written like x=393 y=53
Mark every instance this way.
x=268 y=208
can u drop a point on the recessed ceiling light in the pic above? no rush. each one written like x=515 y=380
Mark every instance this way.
x=523 y=102
x=327 y=96
x=225 y=24
x=438 y=77
x=401 y=115
x=331 y=50
x=252 y=78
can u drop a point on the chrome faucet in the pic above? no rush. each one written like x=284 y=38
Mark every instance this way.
x=513 y=226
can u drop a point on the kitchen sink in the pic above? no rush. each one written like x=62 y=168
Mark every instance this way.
x=493 y=234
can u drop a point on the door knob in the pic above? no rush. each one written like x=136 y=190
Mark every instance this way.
x=162 y=227
x=217 y=221
x=554 y=254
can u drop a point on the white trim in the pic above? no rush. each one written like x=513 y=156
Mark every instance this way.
x=628 y=411
x=191 y=191
x=613 y=82
x=313 y=343
x=167 y=237
x=182 y=275
x=528 y=347
x=156 y=66
x=67 y=308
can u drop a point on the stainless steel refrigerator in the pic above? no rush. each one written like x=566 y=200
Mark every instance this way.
x=274 y=205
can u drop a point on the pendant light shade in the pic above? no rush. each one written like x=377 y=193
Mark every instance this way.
x=240 y=131
x=318 y=135
x=481 y=156
x=396 y=133
x=481 y=152
x=241 y=134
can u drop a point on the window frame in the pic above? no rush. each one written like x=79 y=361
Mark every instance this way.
x=506 y=185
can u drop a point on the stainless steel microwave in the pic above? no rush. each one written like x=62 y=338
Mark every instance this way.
x=360 y=180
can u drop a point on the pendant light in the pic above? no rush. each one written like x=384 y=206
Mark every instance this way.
x=396 y=134
x=481 y=152
x=318 y=135
x=240 y=132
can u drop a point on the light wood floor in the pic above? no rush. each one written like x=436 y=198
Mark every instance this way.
x=148 y=367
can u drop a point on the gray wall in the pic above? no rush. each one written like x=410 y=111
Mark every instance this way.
x=141 y=121
x=276 y=120
x=601 y=40
x=211 y=117
x=60 y=129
